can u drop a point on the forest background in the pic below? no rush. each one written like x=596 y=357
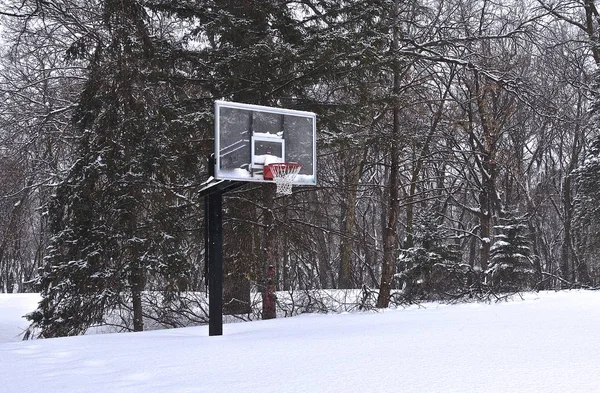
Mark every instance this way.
x=457 y=153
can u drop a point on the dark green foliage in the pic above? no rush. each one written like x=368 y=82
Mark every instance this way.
x=432 y=266
x=587 y=199
x=118 y=218
x=588 y=183
x=510 y=266
x=587 y=212
x=251 y=51
x=587 y=176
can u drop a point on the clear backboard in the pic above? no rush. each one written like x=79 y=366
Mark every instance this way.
x=250 y=137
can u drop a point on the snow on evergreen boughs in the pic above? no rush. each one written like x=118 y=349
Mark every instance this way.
x=587 y=202
x=510 y=266
x=587 y=177
x=432 y=263
x=117 y=217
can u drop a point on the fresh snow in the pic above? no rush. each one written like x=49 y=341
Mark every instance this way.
x=547 y=342
x=499 y=244
x=12 y=323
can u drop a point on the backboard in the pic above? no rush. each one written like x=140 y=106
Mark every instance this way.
x=248 y=137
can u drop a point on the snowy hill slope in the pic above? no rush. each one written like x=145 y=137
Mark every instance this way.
x=546 y=343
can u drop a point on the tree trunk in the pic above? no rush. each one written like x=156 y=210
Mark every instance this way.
x=285 y=271
x=567 y=265
x=565 y=251
x=349 y=223
x=236 y=292
x=485 y=221
x=137 y=286
x=488 y=201
x=390 y=236
x=537 y=265
x=238 y=259
x=323 y=260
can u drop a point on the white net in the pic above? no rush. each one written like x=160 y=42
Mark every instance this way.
x=283 y=175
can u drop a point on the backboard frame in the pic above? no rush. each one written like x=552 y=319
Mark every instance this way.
x=252 y=172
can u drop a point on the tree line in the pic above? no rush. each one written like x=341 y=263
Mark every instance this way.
x=457 y=152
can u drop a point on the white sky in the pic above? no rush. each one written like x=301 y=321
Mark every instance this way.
x=545 y=343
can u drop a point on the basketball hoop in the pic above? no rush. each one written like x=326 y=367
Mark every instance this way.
x=283 y=174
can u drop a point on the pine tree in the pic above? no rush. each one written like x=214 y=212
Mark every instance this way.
x=117 y=218
x=510 y=266
x=587 y=204
x=587 y=198
x=588 y=182
x=427 y=267
x=253 y=52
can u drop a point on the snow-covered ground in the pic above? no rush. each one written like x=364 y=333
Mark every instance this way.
x=12 y=309
x=548 y=342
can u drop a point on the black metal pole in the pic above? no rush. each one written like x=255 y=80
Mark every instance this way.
x=215 y=263
x=213 y=246
x=206 y=244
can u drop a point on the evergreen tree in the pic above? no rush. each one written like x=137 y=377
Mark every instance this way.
x=253 y=52
x=427 y=268
x=510 y=266
x=117 y=218
x=587 y=206
x=588 y=182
